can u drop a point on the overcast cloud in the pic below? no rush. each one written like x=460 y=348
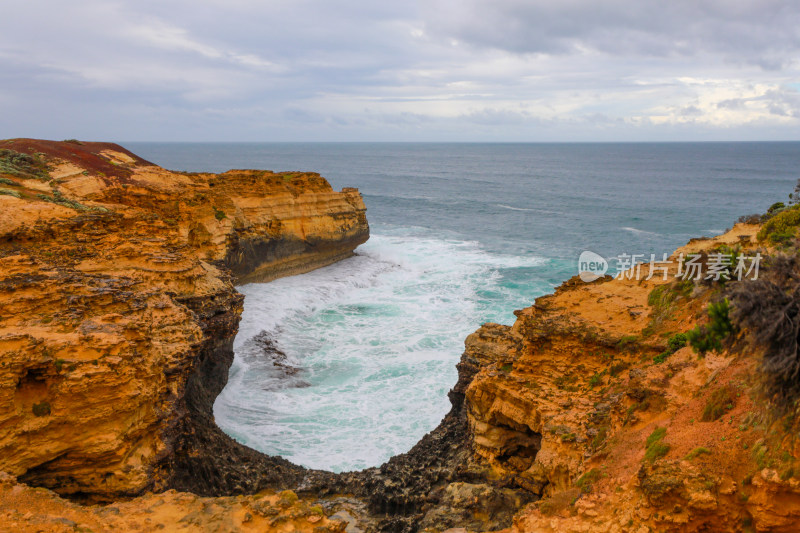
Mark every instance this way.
x=443 y=70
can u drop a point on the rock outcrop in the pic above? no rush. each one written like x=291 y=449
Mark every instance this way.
x=118 y=311
x=117 y=314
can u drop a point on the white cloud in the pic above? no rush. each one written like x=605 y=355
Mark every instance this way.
x=466 y=69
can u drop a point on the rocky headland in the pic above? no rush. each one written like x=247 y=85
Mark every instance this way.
x=629 y=405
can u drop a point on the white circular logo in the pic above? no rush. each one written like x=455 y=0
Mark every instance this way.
x=591 y=266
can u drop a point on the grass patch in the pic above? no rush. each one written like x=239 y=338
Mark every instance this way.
x=720 y=402
x=700 y=450
x=9 y=192
x=655 y=447
x=628 y=343
x=662 y=300
x=568 y=437
x=566 y=383
x=588 y=479
x=675 y=343
x=6 y=181
x=219 y=214
x=760 y=456
x=596 y=379
x=60 y=199
x=600 y=438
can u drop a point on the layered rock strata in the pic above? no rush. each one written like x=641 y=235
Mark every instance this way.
x=118 y=311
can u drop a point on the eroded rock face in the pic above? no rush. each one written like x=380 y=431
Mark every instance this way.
x=118 y=312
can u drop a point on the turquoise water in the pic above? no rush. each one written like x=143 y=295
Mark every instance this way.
x=461 y=234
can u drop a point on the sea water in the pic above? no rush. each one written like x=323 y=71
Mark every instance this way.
x=343 y=367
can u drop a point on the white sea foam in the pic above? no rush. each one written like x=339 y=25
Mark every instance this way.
x=504 y=206
x=638 y=231
x=375 y=338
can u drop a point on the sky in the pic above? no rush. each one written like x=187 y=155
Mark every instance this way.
x=366 y=70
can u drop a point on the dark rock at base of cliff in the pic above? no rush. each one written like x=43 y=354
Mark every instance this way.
x=436 y=484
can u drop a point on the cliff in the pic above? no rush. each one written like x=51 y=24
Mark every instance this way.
x=590 y=413
x=118 y=310
x=593 y=401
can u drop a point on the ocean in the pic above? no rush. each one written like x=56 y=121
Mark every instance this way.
x=461 y=234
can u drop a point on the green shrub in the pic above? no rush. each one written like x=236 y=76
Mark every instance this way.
x=768 y=309
x=22 y=165
x=660 y=358
x=219 y=214
x=781 y=226
x=677 y=341
x=6 y=181
x=9 y=192
x=774 y=208
x=709 y=337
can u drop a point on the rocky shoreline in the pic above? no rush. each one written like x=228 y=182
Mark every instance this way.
x=117 y=316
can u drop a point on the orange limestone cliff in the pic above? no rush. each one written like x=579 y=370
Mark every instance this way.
x=591 y=413
x=593 y=401
x=118 y=310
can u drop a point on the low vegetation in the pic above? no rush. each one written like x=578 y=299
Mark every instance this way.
x=781 y=229
x=674 y=343
x=655 y=447
x=587 y=480
x=769 y=309
x=709 y=337
x=700 y=450
x=22 y=165
x=720 y=402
